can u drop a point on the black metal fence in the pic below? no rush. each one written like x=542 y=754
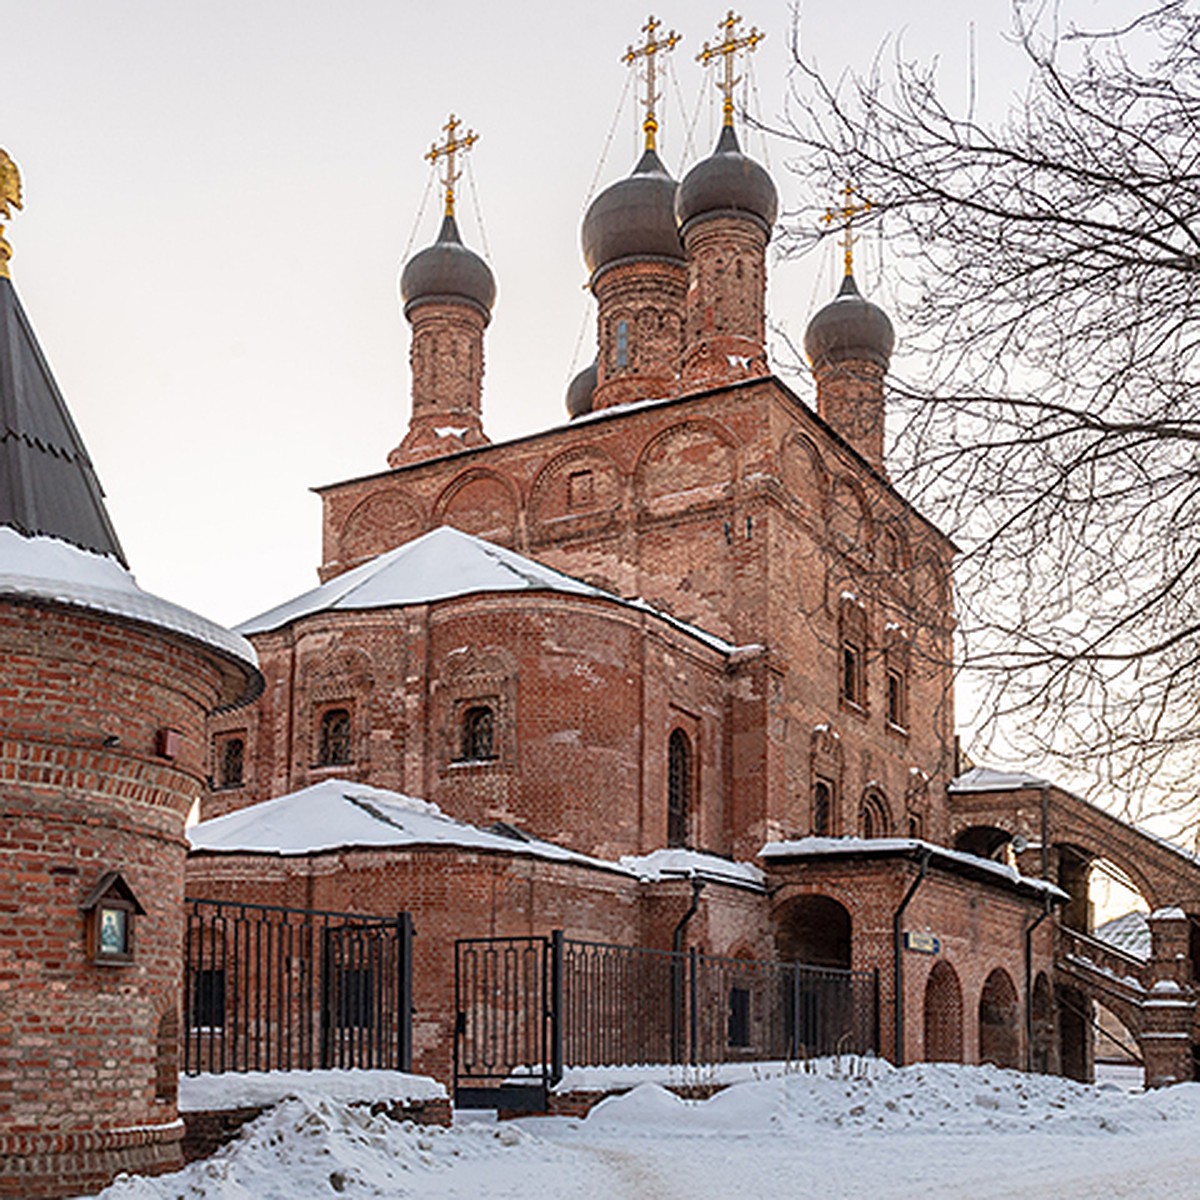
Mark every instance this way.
x=268 y=988
x=528 y=1007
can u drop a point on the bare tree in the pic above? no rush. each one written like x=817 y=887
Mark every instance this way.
x=1046 y=273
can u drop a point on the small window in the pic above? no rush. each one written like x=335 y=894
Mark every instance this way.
x=897 y=707
x=679 y=785
x=335 y=747
x=622 y=343
x=873 y=817
x=232 y=773
x=478 y=734
x=579 y=489
x=822 y=809
x=208 y=998
x=739 y=1017
x=852 y=673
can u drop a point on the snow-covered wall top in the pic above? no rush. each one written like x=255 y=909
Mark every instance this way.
x=439 y=565
x=44 y=568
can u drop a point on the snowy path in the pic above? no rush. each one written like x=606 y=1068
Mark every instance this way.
x=922 y=1133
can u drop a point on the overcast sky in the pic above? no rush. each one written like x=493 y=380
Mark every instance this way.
x=219 y=196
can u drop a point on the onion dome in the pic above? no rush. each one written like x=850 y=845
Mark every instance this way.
x=633 y=218
x=849 y=329
x=727 y=183
x=580 y=391
x=448 y=271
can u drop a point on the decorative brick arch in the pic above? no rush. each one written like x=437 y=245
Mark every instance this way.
x=943 y=1014
x=850 y=516
x=580 y=491
x=685 y=465
x=875 y=814
x=804 y=474
x=815 y=929
x=481 y=502
x=470 y=679
x=381 y=522
x=999 y=1021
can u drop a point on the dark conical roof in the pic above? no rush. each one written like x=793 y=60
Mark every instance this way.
x=633 y=218
x=728 y=181
x=48 y=486
x=447 y=270
x=849 y=329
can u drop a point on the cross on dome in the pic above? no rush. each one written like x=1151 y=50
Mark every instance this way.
x=647 y=50
x=726 y=50
x=447 y=150
x=847 y=214
x=10 y=198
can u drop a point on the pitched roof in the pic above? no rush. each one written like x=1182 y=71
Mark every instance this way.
x=47 y=483
x=439 y=565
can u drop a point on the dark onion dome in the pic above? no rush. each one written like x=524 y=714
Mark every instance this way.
x=579 y=392
x=633 y=218
x=447 y=270
x=849 y=329
x=727 y=183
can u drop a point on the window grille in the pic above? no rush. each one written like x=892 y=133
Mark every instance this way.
x=478 y=733
x=679 y=783
x=233 y=762
x=335 y=748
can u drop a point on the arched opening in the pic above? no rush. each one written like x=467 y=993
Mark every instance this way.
x=1074 y=1034
x=1118 y=908
x=679 y=786
x=1043 y=1058
x=822 y=819
x=873 y=817
x=814 y=930
x=943 y=1015
x=1114 y=1043
x=984 y=841
x=334 y=744
x=999 y=1021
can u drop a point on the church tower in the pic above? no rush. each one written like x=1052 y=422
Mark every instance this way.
x=726 y=208
x=448 y=293
x=636 y=267
x=102 y=753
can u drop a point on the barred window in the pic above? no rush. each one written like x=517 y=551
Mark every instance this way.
x=335 y=746
x=679 y=784
x=478 y=733
x=822 y=808
x=852 y=673
x=208 y=998
x=739 y=1017
x=233 y=763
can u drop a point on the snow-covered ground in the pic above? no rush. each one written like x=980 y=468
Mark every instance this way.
x=849 y=1129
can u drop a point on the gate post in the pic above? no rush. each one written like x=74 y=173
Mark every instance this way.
x=404 y=938
x=555 y=1011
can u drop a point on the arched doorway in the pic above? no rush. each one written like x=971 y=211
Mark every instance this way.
x=999 y=1021
x=943 y=1015
x=1075 y=1034
x=814 y=930
x=984 y=841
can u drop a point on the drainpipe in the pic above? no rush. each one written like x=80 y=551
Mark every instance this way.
x=898 y=950
x=1046 y=910
x=677 y=971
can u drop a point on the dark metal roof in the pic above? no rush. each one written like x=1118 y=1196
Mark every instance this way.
x=47 y=483
x=727 y=183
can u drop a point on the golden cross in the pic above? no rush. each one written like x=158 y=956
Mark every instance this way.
x=726 y=50
x=847 y=213
x=648 y=50
x=447 y=150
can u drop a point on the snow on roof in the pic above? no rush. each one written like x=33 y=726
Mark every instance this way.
x=1129 y=932
x=830 y=847
x=678 y=863
x=439 y=565
x=255 y=1089
x=45 y=568
x=985 y=779
x=337 y=814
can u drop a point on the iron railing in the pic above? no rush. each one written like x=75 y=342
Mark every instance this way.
x=526 y=1007
x=268 y=988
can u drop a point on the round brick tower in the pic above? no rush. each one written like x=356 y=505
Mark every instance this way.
x=104 y=691
x=726 y=207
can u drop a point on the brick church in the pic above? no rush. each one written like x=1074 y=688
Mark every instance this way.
x=676 y=673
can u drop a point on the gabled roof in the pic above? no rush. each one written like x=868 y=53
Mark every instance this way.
x=47 y=483
x=439 y=565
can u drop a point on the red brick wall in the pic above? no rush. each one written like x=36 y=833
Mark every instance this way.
x=78 y=1041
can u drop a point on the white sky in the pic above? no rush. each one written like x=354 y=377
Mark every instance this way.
x=219 y=195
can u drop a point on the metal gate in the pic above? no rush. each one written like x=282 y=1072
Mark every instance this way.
x=268 y=988
x=525 y=1006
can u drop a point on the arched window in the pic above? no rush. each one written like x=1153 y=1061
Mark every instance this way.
x=679 y=786
x=622 y=343
x=335 y=745
x=233 y=763
x=873 y=816
x=478 y=733
x=822 y=808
